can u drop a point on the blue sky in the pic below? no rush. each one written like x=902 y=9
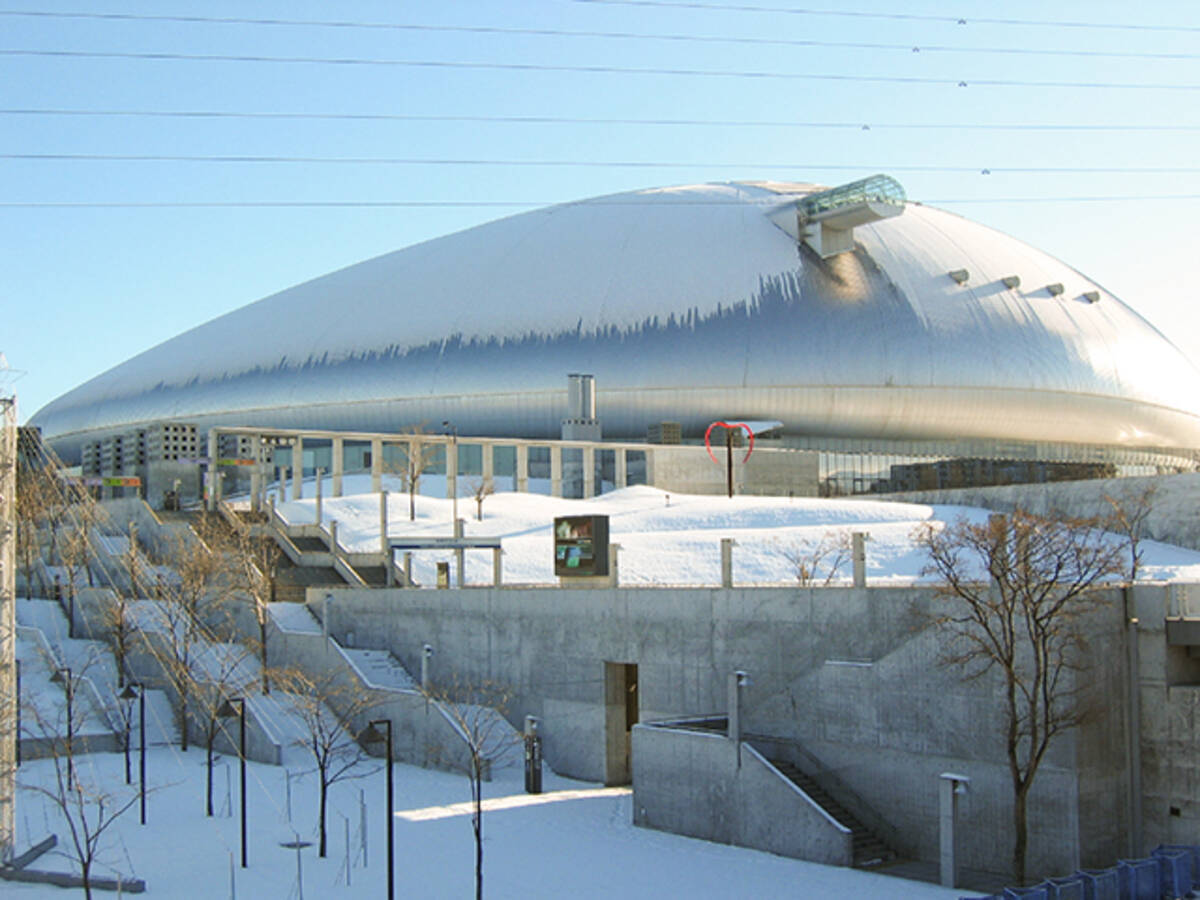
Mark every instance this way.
x=86 y=287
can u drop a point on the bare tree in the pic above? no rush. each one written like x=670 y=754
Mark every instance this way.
x=476 y=712
x=810 y=559
x=116 y=616
x=183 y=610
x=328 y=706
x=258 y=558
x=418 y=458
x=35 y=493
x=1026 y=621
x=481 y=489
x=1128 y=517
x=218 y=674
x=88 y=808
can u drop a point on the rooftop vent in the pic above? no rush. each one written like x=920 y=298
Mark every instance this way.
x=1054 y=289
x=1091 y=296
x=960 y=276
x=826 y=220
x=1011 y=281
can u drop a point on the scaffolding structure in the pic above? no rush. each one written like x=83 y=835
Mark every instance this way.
x=8 y=625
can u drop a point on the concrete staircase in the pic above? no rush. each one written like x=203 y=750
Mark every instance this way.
x=869 y=850
x=380 y=669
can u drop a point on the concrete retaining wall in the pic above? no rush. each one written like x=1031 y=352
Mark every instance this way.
x=693 y=783
x=851 y=674
x=1172 y=516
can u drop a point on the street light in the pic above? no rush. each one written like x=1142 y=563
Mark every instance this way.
x=372 y=735
x=137 y=689
x=68 y=683
x=227 y=711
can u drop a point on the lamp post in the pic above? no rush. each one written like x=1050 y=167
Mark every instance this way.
x=372 y=735
x=453 y=479
x=137 y=689
x=227 y=711
x=68 y=683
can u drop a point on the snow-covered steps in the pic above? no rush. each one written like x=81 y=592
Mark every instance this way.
x=379 y=669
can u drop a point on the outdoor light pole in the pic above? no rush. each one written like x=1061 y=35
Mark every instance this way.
x=137 y=689
x=226 y=711
x=372 y=735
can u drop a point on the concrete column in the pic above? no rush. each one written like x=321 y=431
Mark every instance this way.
x=497 y=566
x=738 y=679
x=858 y=551
x=376 y=465
x=338 y=452
x=283 y=483
x=256 y=473
x=488 y=452
x=589 y=472
x=333 y=538
x=556 y=470
x=451 y=469
x=298 y=469
x=460 y=562
x=727 y=545
x=383 y=522
x=521 y=482
x=319 y=493
x=1134 y=731
x=622 y=472
x=614 y=560
x=408 y=582
x=211 y=473
x=950 y=787
x=650 y=475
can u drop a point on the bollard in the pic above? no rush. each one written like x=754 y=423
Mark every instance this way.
x=533 y=756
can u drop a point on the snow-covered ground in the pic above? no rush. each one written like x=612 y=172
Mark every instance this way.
x=575 y=840
x=664 y=538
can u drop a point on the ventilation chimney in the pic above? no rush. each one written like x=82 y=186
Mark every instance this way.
x=581 y=423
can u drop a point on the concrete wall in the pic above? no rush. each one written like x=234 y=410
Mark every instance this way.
x=850 y=674
x=770 y=471
x=694 y=784
x=1172 y=517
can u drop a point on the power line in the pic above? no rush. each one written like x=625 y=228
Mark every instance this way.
x=593 y=70
x=582 y=120
x=910 y=17
x=604 y=35
x=452 y=204
x=583 y=163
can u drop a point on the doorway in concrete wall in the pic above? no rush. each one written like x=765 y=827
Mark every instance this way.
x=620 y=715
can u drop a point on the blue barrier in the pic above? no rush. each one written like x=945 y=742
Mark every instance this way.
x=1174 y=873
x=1193 y=853
x=1028 y=893
x=1139 y=879
x=1069 y=888
x=1100 y=884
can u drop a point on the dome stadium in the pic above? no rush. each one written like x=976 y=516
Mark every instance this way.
x=857 y=319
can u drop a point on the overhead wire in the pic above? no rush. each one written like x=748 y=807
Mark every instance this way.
x=604 y=121
x=517 y=204
x=983 y=170
x=964 y=82
x=592 y=34
x=896 y=16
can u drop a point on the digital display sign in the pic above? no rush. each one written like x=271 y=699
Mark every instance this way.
x=580 y=545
